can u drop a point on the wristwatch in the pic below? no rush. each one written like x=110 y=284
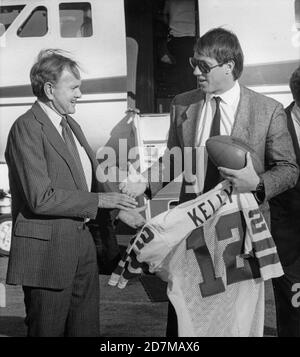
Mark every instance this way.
x=259 y=192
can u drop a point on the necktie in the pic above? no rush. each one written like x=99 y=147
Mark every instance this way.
x=71 y=145
x=212 y=177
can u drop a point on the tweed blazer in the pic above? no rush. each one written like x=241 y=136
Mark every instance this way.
x=285 y=211
x=48 y=206
x=259 y=121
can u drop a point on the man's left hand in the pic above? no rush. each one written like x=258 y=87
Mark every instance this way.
x=244 y=180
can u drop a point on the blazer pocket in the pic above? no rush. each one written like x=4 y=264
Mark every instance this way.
x=33 y=230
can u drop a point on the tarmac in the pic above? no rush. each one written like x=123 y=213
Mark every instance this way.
x=123 y=313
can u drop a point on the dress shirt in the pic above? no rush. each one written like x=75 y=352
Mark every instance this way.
x=228 y=107
x=181 y=17
x=85 y=161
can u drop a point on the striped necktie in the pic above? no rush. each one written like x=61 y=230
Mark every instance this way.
x=71 y=145
x=212 y=177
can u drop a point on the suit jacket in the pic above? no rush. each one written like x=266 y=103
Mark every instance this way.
x=259 y=121
x=48 y=206
x=285 y=211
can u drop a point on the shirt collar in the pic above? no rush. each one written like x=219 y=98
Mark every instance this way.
x=230 y=97
x=52 y=114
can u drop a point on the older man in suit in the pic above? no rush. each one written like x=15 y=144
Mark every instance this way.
x=54 y=195
x=222 y=106
x=285 y=228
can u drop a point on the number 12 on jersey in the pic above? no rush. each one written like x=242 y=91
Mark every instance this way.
x=224 y=227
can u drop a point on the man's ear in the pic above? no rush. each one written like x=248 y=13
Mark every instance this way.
x=230 y=66
x=48 y=89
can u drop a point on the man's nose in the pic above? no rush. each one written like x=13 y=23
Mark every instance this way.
x=78 y=93
x=197 y=71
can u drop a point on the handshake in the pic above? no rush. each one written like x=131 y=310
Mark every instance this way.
x=133 y=186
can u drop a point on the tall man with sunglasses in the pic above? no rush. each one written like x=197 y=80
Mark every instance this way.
x=221 y=105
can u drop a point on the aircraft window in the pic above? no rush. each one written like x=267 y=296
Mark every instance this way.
x=75 y=19
x=7 y=16
x=36 y=25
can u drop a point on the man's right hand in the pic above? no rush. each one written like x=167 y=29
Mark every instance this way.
x=135 y=184
x=133 y=217
x=116 y=200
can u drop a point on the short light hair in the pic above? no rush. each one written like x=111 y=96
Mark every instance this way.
x=295 y=85
x=48 y=68
x=222 y=45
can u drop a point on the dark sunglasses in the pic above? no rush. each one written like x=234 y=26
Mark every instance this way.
x=202 y=65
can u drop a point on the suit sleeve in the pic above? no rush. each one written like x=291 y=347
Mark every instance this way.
x=28 y=167
x=282 y=169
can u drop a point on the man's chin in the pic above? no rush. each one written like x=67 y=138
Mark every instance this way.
x=203 y=86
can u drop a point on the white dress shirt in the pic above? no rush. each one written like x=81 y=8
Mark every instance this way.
x=228 y=106
x=85 y=161
x=181 y=17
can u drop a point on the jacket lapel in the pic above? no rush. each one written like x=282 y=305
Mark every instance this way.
x=189 y=122
x=82 y=140
x=96 y=186
x=242 y=126
x=56 y=141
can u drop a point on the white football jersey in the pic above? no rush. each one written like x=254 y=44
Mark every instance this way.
x=215 y=253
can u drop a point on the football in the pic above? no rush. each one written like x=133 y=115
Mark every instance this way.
x=230 y=152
